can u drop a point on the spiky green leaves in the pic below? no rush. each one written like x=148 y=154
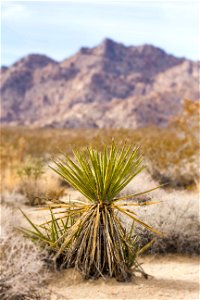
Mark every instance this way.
x=100 y=176
x=97 y=243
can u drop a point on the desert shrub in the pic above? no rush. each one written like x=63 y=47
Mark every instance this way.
x=23 y=271
x=12 y=199
x=31 y=169
x=39 y=142
x=187 y=122
x=10 y=158
x=166 y=150
x=177 y=216
x=30 y=173
x=97 y=244
x=178 y=153
x=183 y=173
x=35 y=185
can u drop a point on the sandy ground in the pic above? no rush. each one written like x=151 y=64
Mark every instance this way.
x=172 y=277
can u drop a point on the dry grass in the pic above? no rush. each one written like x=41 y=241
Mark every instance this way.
x=170 y=156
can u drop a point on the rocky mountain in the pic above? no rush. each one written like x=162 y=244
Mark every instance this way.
x=110 y=85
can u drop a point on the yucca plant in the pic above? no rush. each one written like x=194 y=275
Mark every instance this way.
x=98 y=244
x=47 y=234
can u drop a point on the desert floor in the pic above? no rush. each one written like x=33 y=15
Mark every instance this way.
x=172 y=277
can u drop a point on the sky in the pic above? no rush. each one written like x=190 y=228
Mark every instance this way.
x=59 y=29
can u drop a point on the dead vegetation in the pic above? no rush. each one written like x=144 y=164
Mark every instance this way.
x=171 y=154
x=23 y=271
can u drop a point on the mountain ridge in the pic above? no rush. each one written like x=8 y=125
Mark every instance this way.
x=110 y=85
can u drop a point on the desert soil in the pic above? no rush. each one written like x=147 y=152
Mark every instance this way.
x=172 y=277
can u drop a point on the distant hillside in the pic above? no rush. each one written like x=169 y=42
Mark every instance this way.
x=110 y=85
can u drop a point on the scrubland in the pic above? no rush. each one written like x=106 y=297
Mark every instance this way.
x=171 y=156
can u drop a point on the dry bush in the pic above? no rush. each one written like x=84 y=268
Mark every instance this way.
x=12 y=199
x=23 y=271
x=183 y=174
x=37 y=184
x=177 y=149
x=165 y=150
x=9 y=179
x=171 y=154
x=12 y=153
x=172 y=160
x=177 y=216
x=29 y=193
x=45 y=142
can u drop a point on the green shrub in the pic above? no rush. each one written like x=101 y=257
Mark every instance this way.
x=97 y=243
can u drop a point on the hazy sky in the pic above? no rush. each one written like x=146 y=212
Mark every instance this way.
x=59 y=29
